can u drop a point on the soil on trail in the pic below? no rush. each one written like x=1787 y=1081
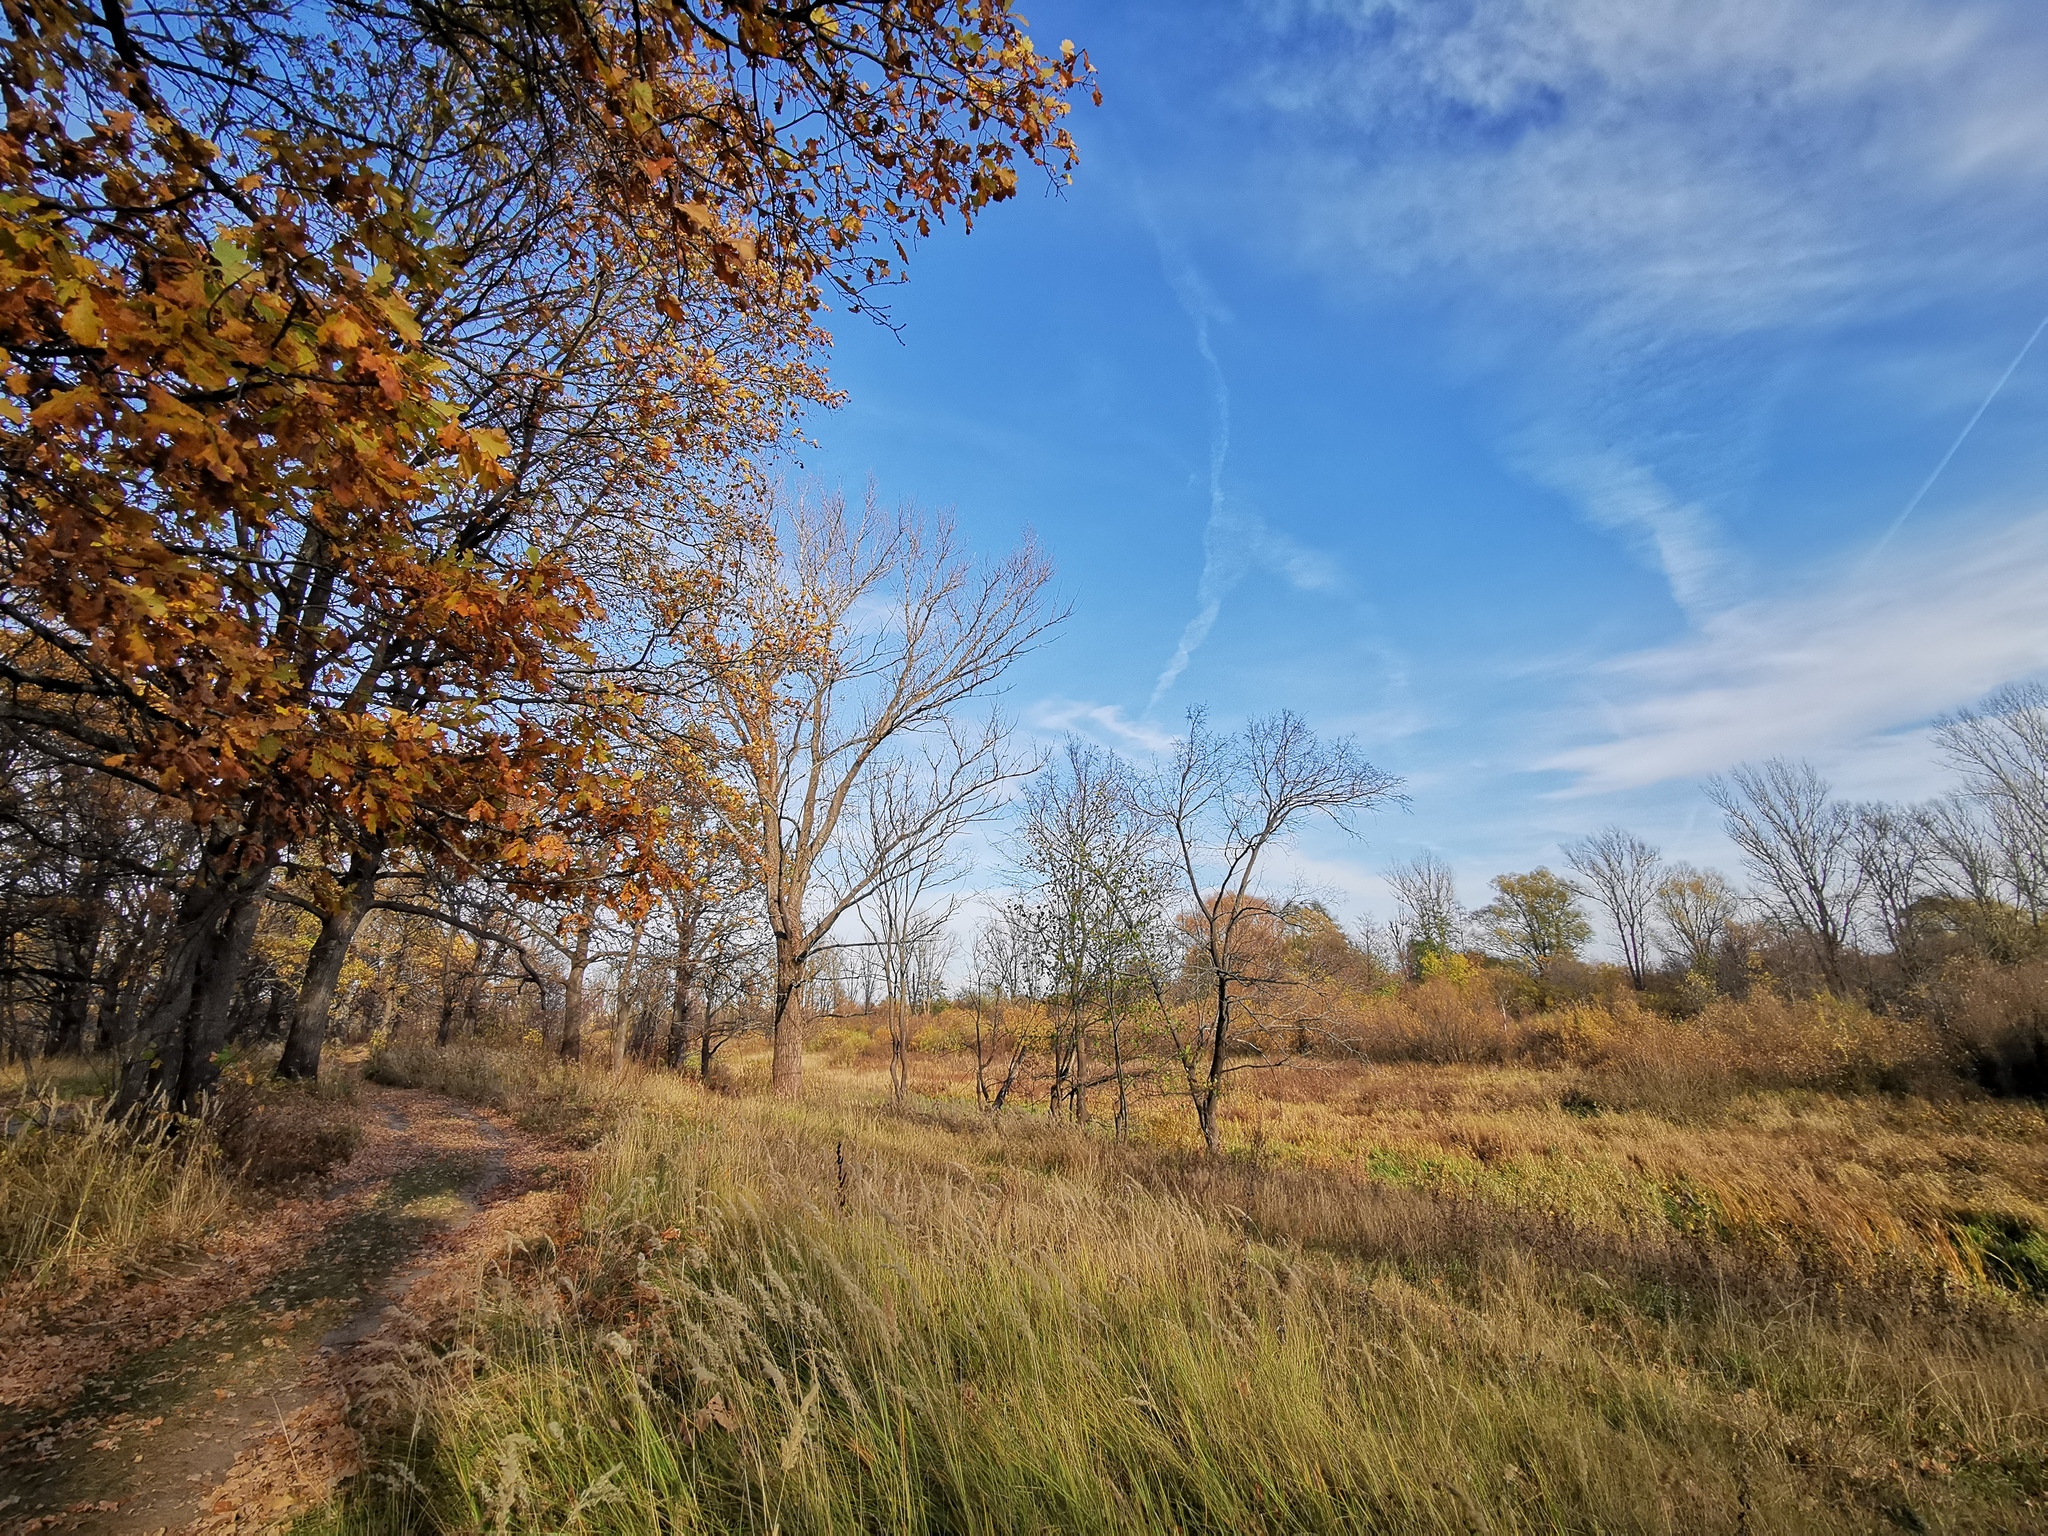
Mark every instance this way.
x=213 y=1399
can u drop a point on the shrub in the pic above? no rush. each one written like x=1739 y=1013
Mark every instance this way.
x=1646 y=1058
x=1996 y=1017
x=275 y=1133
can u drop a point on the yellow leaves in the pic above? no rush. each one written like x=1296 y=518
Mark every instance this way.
x=149 y=601
x=399 y=315
x=82 y=322
x=232 y=261
x=341 y=332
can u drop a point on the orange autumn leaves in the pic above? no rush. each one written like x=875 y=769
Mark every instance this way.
x=215 y=438
x=261 y=556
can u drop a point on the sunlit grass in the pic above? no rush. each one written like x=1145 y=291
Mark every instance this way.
x=83 y=1192
x=834 y=1317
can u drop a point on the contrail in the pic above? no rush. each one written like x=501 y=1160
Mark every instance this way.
x=1209 y=592
x=1197 y=304
x=1920 y=495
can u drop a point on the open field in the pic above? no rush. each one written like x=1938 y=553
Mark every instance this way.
x=1409 y=1298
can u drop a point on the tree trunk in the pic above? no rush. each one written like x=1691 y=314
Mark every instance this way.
x=572 y=994
x=214 y=994
x=1211 y=1090
x=77 y=954
x=308 y=1031
x=786 y=1074
x=452 y=989
x=1080 y=1088
x=983 y=1056
x=1123 y=1088
x=188 y=1016
x=108 y=1016
x=899 y=1050
x=640 y=1042
x=487 y=965
x=679 y=1011
x=625 y=998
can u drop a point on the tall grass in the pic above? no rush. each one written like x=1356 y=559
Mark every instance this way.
x=81 y=1190
x=829 y=1318
x=1762 y=1041
x=84 y=1192
x=545 y=1097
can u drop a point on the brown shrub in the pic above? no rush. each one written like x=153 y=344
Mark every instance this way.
x=273 y=1133
x=1444 y=1019
x=1996 y=1018
x=1642 y=1056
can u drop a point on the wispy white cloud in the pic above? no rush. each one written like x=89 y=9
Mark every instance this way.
x=1678 y=537
x=1702 y=168
x=1236 y=540
x=1654 y=196
x=1103 y=723
x=1853 y=658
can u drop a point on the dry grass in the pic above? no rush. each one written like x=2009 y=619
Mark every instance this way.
x=85 y=1195
x=1412 y=1298
x=546 y=1098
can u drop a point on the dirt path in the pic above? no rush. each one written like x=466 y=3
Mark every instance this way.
x=213 y=1400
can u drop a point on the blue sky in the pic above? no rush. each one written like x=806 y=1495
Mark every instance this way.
x=1525 y=386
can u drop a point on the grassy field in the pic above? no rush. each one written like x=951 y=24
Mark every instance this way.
x=1412 y=1298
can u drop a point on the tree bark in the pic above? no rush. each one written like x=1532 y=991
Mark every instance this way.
x=899 y=1049
x=308 y=1032
x=188 y=1015
x=786 y=1074
x=572 y=993
x=76 y=952
x=679 y=1010
x=488 y=962
x=1205 y=1100
x=1080 y=1088
x=1123 y=1087
x=213 y=995
x=624 y=1001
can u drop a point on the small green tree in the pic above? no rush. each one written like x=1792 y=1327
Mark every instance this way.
x=1534 y=921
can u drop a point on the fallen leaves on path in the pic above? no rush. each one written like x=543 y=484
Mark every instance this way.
x=248 y=1452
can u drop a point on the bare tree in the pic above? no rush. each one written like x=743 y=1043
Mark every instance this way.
x=901 y=929
x=856 y=646
x=1620 y=872
x=1095 y=912
x=1428 y=897
x=1965 y=860
x=1697 y=906
x=1800 y=843
x=2001 y=749
x=1225 y=802
x=1891 y=849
